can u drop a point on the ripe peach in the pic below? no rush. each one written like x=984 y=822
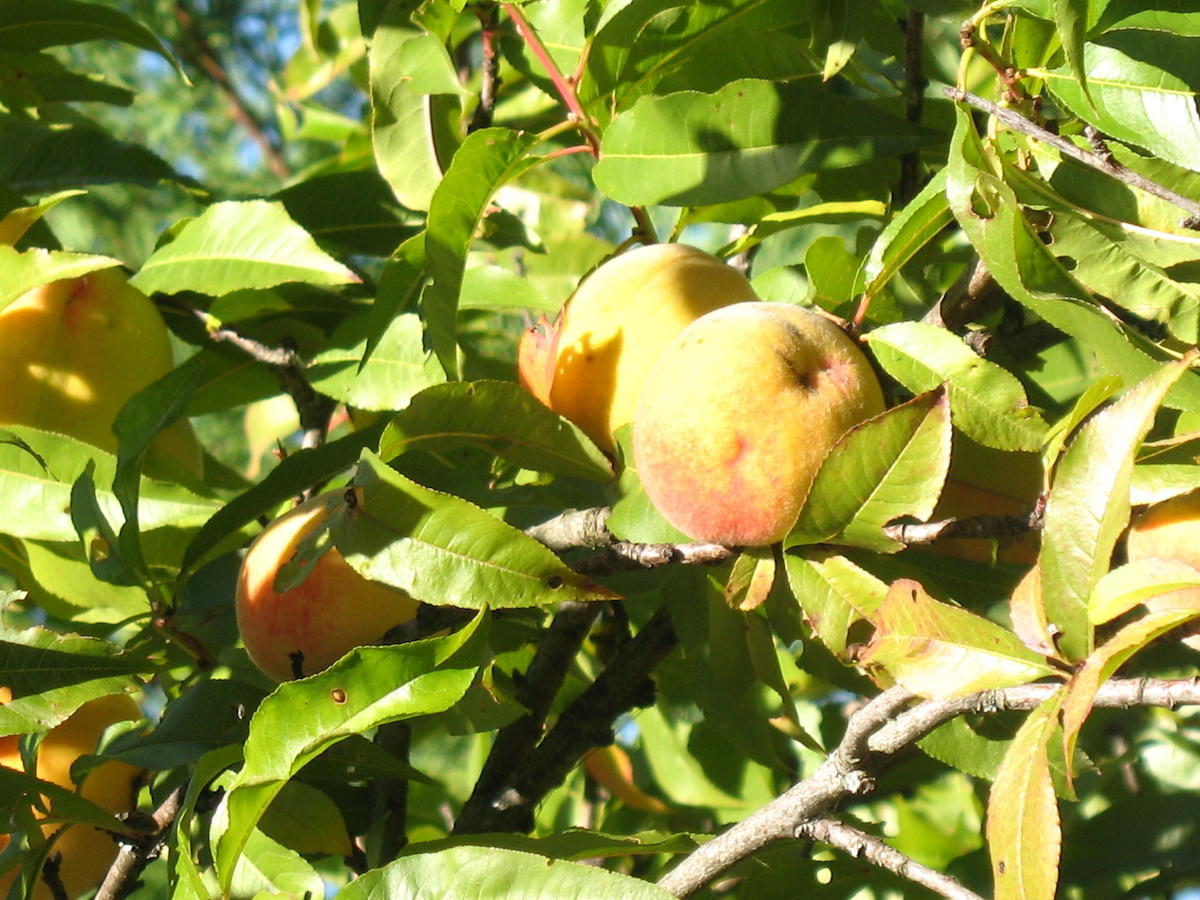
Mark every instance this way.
x=86 y=852
x=590 y=369
x=303 y=630
x=73 y=351
x=739 y=412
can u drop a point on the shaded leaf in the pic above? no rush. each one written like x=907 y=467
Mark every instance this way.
x=692 y=149
x=908 y=233
x=941 y=651
x=500 y=417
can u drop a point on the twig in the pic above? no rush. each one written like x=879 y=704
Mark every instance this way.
x=971 y=294
x=137 y=852
x=861 y=845
x=536 y=690
x=585 y=724
x=874 y=735
x=1108 y=166
x=205 y=58
x=314 y=409
x=488 y=20
x=967 y=527
x=914 y=100
x=574 y=528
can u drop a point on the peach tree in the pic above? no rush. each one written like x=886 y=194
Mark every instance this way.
x=949 y=678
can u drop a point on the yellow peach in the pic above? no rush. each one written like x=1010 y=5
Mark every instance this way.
x=302 y=630
x=738 y=414
x=73 y=351
x=590 y=368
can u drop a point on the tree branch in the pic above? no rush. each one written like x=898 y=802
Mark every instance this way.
x=861 y=845
x=585 y=724
x=200 y=53
x=914 y=101
x=1101 y=163
x=488 y=19
x=137 y=852
x=874 y=735
x=966 y=527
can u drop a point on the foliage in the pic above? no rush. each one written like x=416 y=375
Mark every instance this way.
x=364 y=204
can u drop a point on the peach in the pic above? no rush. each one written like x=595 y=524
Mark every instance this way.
x=591 y=366
x=73 y=351
x=86 y=852
x=738 y=414
x=302 y=630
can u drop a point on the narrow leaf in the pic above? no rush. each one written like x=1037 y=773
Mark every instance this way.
x=1137 y=582
x=486 y=160
x=23 y=271
x=1023 y=832
x=909 y=231
x=1089 y=505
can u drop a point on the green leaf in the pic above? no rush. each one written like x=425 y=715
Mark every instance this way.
x=239 y=244
x=37 y=158
x=40 y=486
x=692 y=149
x=306 y=820
x=908 y=233
x=458 y=873
x=295 y=474
x=1089 y=505
x=51 y=675
x=23 y=271
x=369 y=687
x=19 y=219
x=415 y=105
x=400 y=286
x=487 y=159
x=1023 y=832
x=271 y=869
x=940 y=651
x=445 y=551
x=779 y=222
x=986 y=401
x=890 y=466
x=1135 y=101
x=833 y=593
x=501 y=417
x=59 y=803
x=1070 y=22
x=1156 y=482
x=349 y=212
x=397 y=367
x=53 y=23
x=988 y=211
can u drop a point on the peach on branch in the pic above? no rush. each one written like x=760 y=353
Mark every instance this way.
x=306 y=628
x=84 y=854
x=591 y=365
x=73 y=351
x=738 y=414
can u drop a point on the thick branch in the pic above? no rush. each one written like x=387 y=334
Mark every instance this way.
x=137 y=852
x=1102 y=163
x=585 y=724
x=874 y=735
x=861 y=845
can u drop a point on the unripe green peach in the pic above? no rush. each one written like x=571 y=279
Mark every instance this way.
x=738 y=414
x=305 y=629
x=590 y=368
x=73 y=351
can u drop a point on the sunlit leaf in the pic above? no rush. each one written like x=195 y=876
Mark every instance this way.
x=833 y=593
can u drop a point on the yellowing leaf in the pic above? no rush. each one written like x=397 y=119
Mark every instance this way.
x=939 y=651
x=1023 y=832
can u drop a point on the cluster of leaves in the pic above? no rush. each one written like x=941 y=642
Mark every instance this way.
x=502 y=150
